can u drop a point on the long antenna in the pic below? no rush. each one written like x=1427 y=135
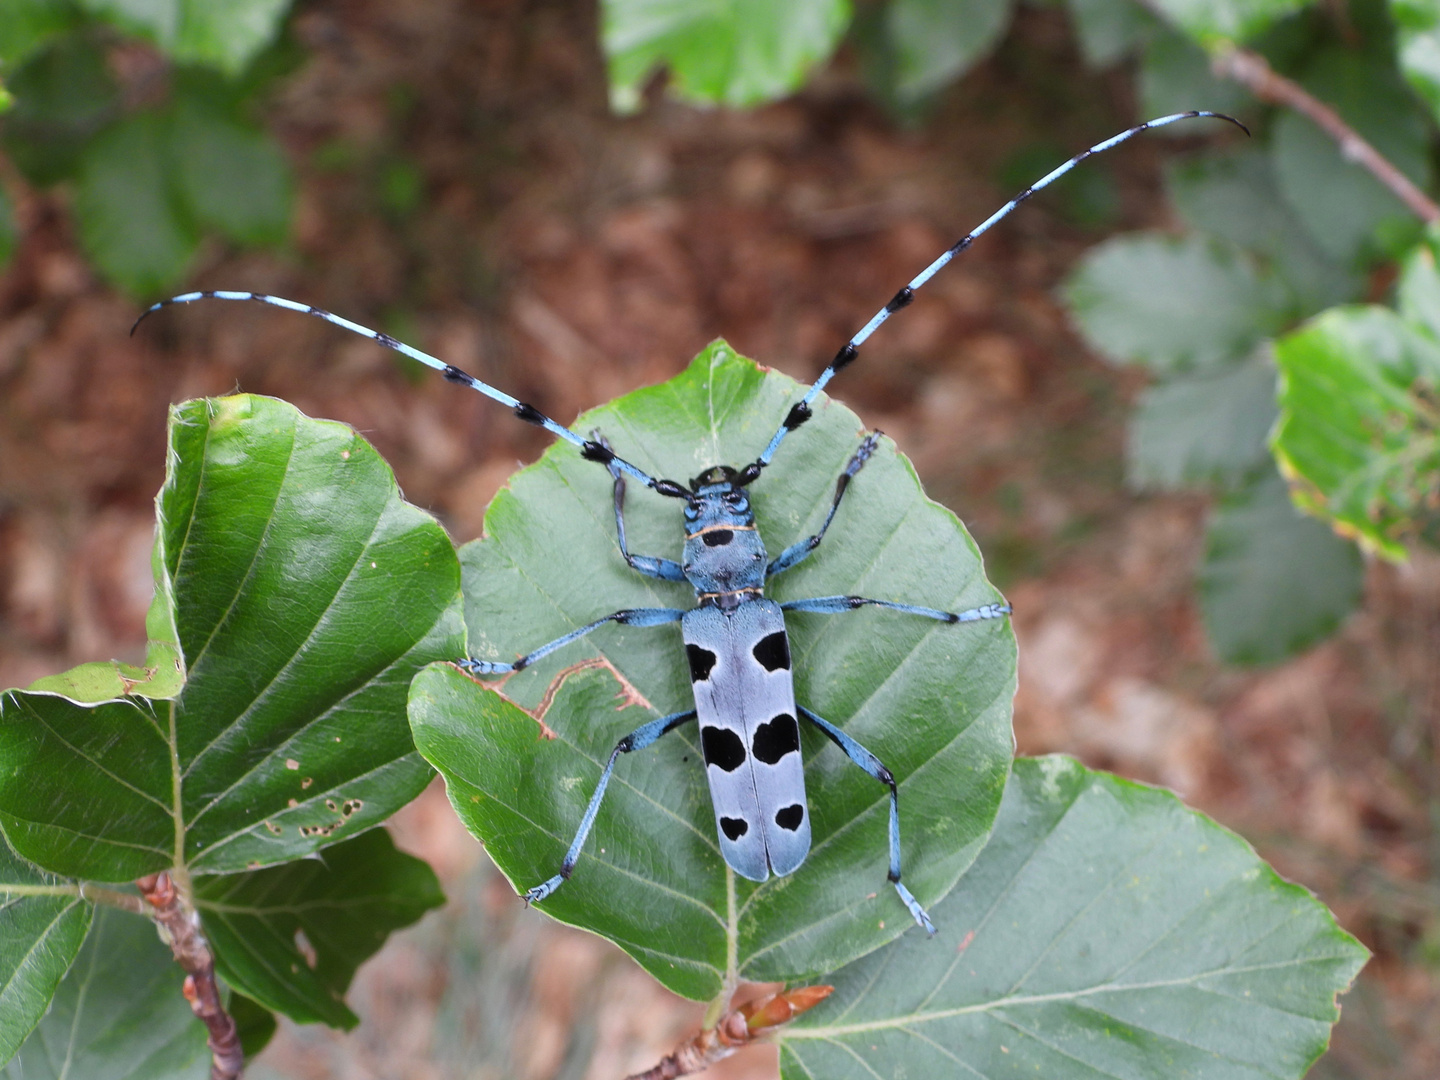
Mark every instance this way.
x=800 y=411
x=590 y=449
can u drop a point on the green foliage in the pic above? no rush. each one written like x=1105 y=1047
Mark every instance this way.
x=344 y=906
x=42 y=927
x=1172 y=304
x=1211 y=21
x=225 y=36
x=723 y=52
x=118 y=1015
x=1273 y=581
x=1105 y=930
x=149 y=185
x=1417 y=24
x=1359 y=431
x=1110 y=29
x=932 y=701
x=937 y=41
x=296 y=596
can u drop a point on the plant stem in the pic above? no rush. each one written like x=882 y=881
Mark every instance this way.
x=1253 y=71
x=181 y=924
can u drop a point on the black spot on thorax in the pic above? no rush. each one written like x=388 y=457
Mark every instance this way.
x=717 y=537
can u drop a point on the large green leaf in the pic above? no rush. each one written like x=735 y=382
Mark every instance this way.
x=1340 y=203
x=1359 y=433
x=718 y=52
x=937 y=41
x=222 y=35
x=132 y=223
x=292 y=936
x=1274 y=581
x=1234 y=197
x=118 y=1015
x=26 y=25
x=233 y=178
x=303 y=594
x=42 y=926
x=932 y=701
x=1204 y=429
x=1173 y=304
x=1105 y=931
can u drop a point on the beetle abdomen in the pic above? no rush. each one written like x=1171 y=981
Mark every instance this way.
x=749 y=735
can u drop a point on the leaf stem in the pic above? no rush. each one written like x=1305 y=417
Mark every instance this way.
x=1253 y=71
x=181 y=924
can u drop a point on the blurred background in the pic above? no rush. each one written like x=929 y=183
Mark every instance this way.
x=453 y=173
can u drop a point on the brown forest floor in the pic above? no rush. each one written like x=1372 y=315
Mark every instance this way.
x=568 y=256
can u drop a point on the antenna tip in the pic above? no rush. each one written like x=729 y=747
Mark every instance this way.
x=1224 y=116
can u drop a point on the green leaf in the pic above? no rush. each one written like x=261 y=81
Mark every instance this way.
x=1359 y=432
x=1417 y=25
x=1234 y=197
x=1109 y=29
x=255 y=1025
x=1273 y=581
x=1206 y=429
x=931 y=701
x=63 y=96
x=233 y=178
x=937 y=41
x=1172 y=304
x=27 y=25
x=719 y=52
x=118 y=1015
x=1175 y=77
x=341 y=906
x=1341 y=203
x=225 y=36
x=8 y=230
x=304 y=594
x=1220 y=21
x=131 y=223
x=1105 y=930
x=43 y=923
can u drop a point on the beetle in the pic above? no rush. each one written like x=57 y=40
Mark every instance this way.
x=735 y=639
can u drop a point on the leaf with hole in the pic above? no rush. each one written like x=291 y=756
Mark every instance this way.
x=1273 y=581
x=118 y=1015
x=1105 y=930
x=291 y=937
x=303 y=594
x=932 y=701
x=1359 y=432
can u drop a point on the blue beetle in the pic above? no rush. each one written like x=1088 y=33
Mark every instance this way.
x=735 y=640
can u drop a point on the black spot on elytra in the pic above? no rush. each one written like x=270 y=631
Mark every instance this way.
x=717 y=537
x=722 y=748
x=734 y=827
x=773 y=651
x=775 y=738
x=702 y=662
x=790 y=817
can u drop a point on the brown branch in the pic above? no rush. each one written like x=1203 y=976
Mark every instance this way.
x=181 y=925
x=1252 y=71
x=737 y=1028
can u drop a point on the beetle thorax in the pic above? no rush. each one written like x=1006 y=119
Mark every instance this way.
x=724 y=555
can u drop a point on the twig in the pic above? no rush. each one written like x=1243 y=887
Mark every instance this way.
x=1252 y=71
x=181 y=924
x=737 y=1028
